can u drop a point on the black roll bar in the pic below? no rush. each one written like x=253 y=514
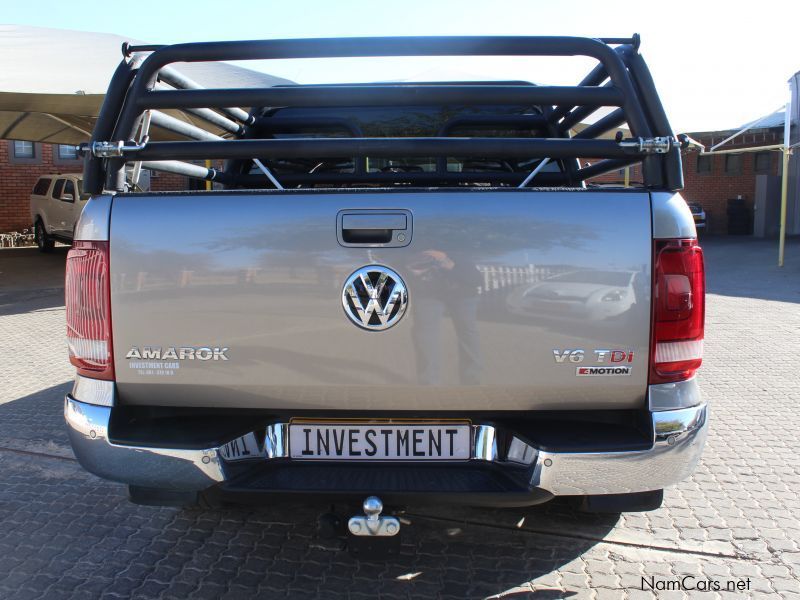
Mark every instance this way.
x=371 y=47
x=620 y=79
x=602 y=125
x=383 y=147
x=594 y=78
x=299 y=124
x=529 y=122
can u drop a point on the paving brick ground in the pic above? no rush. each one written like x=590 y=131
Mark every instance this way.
x=67 y=534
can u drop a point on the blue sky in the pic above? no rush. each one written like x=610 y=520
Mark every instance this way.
x=716 y=64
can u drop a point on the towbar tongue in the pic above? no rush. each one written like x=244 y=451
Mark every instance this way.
x=373 y=536
x=373 y=524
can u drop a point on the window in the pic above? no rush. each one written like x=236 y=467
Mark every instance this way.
x=69 y=188
x=58 y=188
x=762 y=162
x=733 y=164
x=704 y=163
x=24 y=149
x=67 y=152
x=41 y=187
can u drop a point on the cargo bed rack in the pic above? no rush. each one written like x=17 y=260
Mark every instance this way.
x=145 y=85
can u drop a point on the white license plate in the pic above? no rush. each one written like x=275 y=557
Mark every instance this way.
x=242 y=448
x=379 y=441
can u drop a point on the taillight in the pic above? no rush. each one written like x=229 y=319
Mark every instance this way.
x=679 y=303
x=88 y=300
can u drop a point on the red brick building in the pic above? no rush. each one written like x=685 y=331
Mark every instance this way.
x=718 y=182
x=21 y=164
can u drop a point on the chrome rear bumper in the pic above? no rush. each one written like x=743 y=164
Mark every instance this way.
x=678 y=439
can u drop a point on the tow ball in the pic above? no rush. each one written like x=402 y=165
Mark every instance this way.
x=373 y=536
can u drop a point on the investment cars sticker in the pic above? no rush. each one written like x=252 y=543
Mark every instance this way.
x=153 y=361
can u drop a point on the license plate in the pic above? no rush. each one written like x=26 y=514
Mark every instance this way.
x=242 y=448
x=379 y=441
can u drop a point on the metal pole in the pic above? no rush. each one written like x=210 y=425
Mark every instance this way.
x=208 y=181
x=535 y=172
x=268 y=173
x=486 y=147
x=178 y=80
x=137 y=166
x=784 y=184
x=627 y=177
x=170 y=123
x=741 y=131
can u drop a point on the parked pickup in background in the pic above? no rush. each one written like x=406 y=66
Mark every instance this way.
x=56 y=203
x=699 y=216
x=399 y=292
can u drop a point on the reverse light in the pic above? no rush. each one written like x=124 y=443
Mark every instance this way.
x=678 y=310
x=88 y=303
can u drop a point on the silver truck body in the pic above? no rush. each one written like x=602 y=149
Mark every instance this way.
x=269 y=290
x=335 y=368
x=412 y=290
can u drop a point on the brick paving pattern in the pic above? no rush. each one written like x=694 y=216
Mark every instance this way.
x=67 y=534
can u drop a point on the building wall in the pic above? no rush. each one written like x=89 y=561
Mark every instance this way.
x=713 y=189
x=165 y=182
x=19 y=175
x=615 y=177
x=17 y=178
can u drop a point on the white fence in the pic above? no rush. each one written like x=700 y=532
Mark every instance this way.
x=13 y=239
x=498 y=277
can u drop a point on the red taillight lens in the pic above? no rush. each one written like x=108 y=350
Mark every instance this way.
x=679 y=303
x=88 y=300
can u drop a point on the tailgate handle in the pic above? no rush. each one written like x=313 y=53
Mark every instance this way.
x=374 y=228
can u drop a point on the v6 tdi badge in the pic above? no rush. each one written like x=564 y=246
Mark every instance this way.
x=612 y=362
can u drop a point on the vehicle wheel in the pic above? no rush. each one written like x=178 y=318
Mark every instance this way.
x=43 y=241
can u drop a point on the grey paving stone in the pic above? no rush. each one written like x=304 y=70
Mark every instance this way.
x=65 y=533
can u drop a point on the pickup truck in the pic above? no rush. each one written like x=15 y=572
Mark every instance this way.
x=56 y=203
x=395 y=292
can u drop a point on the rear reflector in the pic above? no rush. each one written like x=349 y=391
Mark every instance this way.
x=88 y=301
x=678 y=310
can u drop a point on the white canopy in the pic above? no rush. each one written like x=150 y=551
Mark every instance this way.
x=52 y=82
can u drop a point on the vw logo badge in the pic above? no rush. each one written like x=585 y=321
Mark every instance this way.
x=374 y=297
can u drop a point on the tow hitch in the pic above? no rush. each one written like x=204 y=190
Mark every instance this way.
x=372 y=535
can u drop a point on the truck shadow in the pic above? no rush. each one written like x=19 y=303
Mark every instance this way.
x=35 y=422
x=274 y=551
x=30 y=280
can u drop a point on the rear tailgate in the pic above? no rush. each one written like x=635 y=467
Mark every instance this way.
x=501 y=284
